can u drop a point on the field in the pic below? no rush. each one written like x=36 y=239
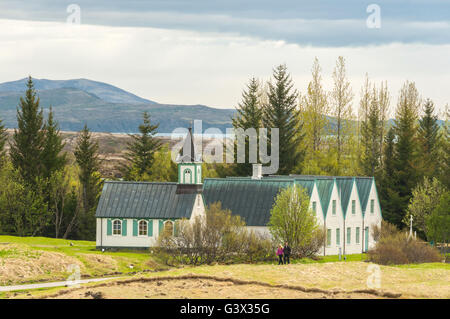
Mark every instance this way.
x=36 y=259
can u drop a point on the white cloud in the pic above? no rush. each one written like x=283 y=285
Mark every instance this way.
x=173 y=66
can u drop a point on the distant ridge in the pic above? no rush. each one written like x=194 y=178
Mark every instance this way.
x=104 y=91
x=104 y=107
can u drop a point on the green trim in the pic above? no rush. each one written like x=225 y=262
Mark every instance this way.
x=349 y=235
x=357 y=235
x=109 y=227
x=161 y=226
x=338 y=236
x=194 y=176
x=124 y=226
x=329 y=237
x=150 y=227
x=135 y=227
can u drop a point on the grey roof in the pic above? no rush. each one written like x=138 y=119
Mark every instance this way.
x=144 y=200
x=250 y=199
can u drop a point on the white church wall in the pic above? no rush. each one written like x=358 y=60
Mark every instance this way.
x=372 y=218
x=353 y=221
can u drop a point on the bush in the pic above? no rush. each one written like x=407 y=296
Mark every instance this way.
x=394 y=247
x=292 y=221
x=218 y=237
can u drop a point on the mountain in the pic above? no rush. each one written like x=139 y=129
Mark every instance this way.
x=105 y=108
x=104 y=91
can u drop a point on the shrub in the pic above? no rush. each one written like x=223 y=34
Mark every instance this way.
x=292 y=221
x=394 y=247
x=218 y=237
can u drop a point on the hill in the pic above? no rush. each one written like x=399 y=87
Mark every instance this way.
x=105 y=108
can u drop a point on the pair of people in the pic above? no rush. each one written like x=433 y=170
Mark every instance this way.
x=283 y=254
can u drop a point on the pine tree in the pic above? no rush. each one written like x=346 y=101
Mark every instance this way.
x=52 y=159
x=314 y=107
x=3 y=139
x=428 y=133
x=370 y=159
x=389 y=197
x=281 y=112
x=406 y=148
x=444 y=168
x=249 y=115
x=141 y=150
x=28 y=141
x=86 y=156
x=341 y=98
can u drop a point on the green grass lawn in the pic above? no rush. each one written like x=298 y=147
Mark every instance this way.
x=31 y=259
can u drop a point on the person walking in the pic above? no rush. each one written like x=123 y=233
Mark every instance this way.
x=280 y=254
x=286 y=253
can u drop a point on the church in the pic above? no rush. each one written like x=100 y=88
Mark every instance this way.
x=133 y=214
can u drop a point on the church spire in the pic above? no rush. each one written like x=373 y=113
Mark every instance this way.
x=189 y=163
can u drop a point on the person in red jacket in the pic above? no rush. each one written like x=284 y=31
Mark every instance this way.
x=280 y=254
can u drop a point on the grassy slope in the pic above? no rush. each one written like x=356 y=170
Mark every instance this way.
x=32 y=259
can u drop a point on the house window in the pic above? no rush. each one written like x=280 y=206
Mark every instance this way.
x=168 y=227
x=338 y=236
x=143 y=228
x=357 y=235
x=353 y=207
x=372 y=204
x=314 y=207
x=334 y=207
x=349 y=235
x=328 y=237
x=117 y=227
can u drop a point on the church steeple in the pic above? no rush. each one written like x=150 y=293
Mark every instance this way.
x=189 y=163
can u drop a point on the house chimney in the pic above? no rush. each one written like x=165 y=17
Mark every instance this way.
x=257 y=171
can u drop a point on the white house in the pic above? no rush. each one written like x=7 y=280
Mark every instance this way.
x=133 y=214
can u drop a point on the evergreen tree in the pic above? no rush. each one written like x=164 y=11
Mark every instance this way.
x=86 y=156
x=370 y=159
x=341 y=98
x=406 y=149
x=444 y=168
x=281 y=112
x=52 y=159
x=28 y=141
x=249 y=116
x=3 y=139
x=428 y=133
x=389 y=197
x=141 y=150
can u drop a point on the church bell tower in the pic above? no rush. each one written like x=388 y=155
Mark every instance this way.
x=189 y=163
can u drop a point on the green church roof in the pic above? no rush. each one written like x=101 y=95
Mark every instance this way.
x=344 y=186
x=144 y=200
x=325 y=188
x=364 y=185
x=250 y=199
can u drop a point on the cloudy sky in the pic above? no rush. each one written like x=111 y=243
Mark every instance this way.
x=204 y=51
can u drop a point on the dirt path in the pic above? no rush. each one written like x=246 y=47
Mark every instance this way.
x=51 y=284
x=209 y=287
